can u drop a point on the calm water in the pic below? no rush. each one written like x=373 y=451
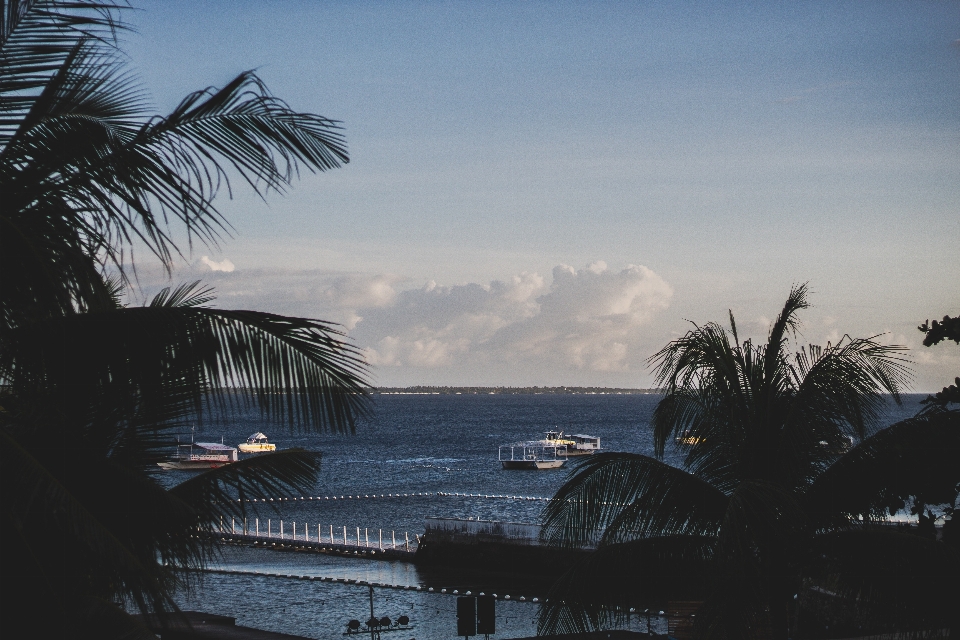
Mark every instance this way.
x=414 y=444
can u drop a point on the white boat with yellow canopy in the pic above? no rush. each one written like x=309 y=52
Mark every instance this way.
x=577 y=444
x=257 y=443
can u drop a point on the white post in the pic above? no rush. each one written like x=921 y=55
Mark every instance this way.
x=381 y=539
x=406 y=544
x=244 y=526
x=269 y=528
x=358 y=536
x=344 y=535
x=281 y=529
x=233 y=525
x=221 y=524
x=393 y=534
x=366 y=537
x=294 y=530
x=318 y=534
x=331 y=534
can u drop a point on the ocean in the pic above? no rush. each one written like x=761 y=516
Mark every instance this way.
x=411 y=449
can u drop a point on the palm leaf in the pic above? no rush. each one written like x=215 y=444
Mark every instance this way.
x=36 y=37
x=599 y=590
x=297 y=370
x=898 y=579
x=915 y=458
x=66 y=541
x=88 y=174
x=629 y=496
x=223 y=492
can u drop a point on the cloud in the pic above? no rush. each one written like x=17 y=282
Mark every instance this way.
x=224 y=265
x=587 y=320
x=590 y=319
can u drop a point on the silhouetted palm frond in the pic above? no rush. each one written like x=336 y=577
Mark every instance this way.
x=600 y=589
x=912 y=459
x=897 y=577
x=223 y=492
x=763 y=429
x=628 y=496
x=298 y=370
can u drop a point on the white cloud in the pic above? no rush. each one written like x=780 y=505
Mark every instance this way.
x=224 y=265
x=589 y=319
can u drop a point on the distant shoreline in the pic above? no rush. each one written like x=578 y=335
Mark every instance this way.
x=449 y=391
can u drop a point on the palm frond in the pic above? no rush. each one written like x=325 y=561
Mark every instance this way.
x=844 y=385
x=296 y=370
x=69 y=543
x=895 y=577
x=629 y=496
x=36 y=37
x=759 y=517
x=88 y=174
x=223 y=492
x=915 y=458
x=702 y=362
x=786 y=322
x=184 y=295
x=600 y=589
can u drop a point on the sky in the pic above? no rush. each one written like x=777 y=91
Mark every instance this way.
x=547 y=193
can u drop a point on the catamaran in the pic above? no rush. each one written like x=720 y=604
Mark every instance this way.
x=533 y=454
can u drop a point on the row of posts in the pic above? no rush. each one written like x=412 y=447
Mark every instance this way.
x=306 y=533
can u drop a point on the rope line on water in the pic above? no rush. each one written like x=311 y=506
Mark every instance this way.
x=363 y=583
x=442 y=494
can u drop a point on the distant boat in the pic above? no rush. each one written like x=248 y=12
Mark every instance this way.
x=257 y=443
x=577 y=444
x=688 y=438
x=201 y=455
x=533 y=454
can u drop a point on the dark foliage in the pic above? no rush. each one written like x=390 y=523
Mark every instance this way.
x=91 y=392
x=769 y=501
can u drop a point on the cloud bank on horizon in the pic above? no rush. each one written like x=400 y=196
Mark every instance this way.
x=578 y=322
x=592 y=326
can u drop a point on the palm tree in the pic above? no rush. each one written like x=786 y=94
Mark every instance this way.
x=766 y=500
x=92 y=391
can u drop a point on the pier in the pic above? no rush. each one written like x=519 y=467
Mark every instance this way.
x=340 y=540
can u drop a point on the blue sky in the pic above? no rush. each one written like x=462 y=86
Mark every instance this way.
x=544 y=193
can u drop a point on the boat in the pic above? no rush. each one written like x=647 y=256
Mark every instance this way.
x=533 y=454
x=257 y=443
x=688 y=438
x=201 y=455
x=578 y=444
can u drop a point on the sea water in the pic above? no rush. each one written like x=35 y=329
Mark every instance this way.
x=417 y=456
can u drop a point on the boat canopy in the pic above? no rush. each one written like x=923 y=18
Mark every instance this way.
x=256 y=436
x=213 y=446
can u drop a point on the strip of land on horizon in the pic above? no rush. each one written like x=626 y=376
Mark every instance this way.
x=427 y=390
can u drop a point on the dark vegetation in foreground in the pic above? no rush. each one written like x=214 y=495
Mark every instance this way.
x=93 y=391
x=776 y=524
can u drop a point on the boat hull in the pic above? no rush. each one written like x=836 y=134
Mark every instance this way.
x=256 y=448
x=532 y=464
x=193 y=465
